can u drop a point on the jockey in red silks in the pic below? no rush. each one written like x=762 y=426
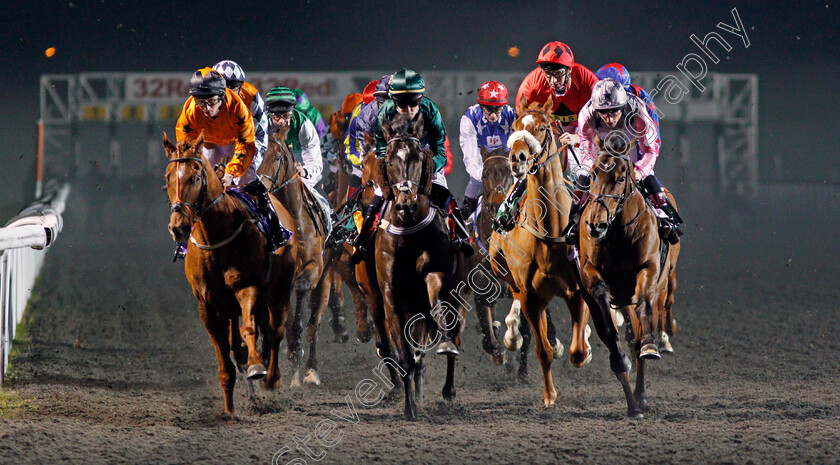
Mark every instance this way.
x=569 y=84
x=613 y=113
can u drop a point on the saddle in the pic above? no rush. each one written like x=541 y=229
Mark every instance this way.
x=260 y=220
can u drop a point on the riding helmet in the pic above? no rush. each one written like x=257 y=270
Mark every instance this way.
x=232 y=72
x=207 y=82
x=608 y=94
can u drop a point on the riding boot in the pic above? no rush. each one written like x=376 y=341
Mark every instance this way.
x=572 y=231
x=470 y=204
x=362 y=239
x=180 y=251
x=505 y=218
x=442 y=199
x=277 y=233
x=579 y=198
x=462 y=236
x=670 y=228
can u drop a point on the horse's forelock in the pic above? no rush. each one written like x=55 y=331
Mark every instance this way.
x=527 y=137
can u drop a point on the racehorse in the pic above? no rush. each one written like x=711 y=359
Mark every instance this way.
x=280 y=176
x=416 y=267
x=496 y=182
x=231 y=270
x=624 y=261
x=339 y=264
x=533 y=257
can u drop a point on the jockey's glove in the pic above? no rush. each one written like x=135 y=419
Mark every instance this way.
x=236 y=165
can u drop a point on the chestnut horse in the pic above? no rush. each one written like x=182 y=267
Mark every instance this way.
x=533 y=257
x=416 y=267
x=338 y=262
x=281 y=178
x=230 y=267
x=624 y=261
x=496 y=182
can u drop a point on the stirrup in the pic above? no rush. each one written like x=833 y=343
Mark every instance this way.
x=668 y=231
x=463 y=246
x=280 y=238
x=572 y=233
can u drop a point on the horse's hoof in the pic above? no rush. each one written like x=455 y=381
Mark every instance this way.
x=635 y=414
x=363 y=336
x=448 y=394
x=498 y=358
x=445 y=348
x=497 y=324
x=665 y=346
x=558 y=348
x=257 y=371
x=649 y=352
x=311 y=378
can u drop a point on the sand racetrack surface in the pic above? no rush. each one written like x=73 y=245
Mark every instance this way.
x=116 y=366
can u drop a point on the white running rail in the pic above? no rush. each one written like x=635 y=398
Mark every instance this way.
x=23 y=243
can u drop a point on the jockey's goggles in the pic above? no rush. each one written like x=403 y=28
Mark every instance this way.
x=609 y=113
x=207 y=102
x=407 y=100
x=234 y=85
x=491 y=110
x=555 y=70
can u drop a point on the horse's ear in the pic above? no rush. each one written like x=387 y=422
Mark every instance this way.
x=548 y=106
x=169 y=147
x=417 y=126
x=521 y=104
x=598 y=142
x=428 y=173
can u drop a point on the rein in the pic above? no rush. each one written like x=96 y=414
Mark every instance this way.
x=544 y=149
x=629 y=188
x=193 y=210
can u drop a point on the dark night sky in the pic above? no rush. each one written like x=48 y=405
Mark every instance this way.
x=795 y=48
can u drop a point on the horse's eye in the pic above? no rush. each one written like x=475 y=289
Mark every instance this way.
x=197 y=179
x=621 y=179
x=542 y=128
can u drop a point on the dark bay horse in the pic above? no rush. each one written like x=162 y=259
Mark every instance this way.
x=624 y=262
x=233 y=275
x=533 y=258
x=311 y=289
x=416 y=268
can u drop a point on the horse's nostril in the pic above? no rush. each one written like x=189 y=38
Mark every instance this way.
x=414 y=207
x=522 y=157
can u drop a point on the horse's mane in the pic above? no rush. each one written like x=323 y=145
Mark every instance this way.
x=405 y=126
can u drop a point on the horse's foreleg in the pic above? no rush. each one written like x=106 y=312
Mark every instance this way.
x=322 y=292
x=247 y=299
x=580 y=352
x=336 y=304
x=639 y=393
x=364 y=297
x=240 y=356
x=219 y=332
x=513 y=337
x=645 y=282
x=405 y=355
x=525 y=334
x=488 y=326
x=279 y=308
x=294 y=330
x=597 y=298
x=534 y=308
x=552 y=335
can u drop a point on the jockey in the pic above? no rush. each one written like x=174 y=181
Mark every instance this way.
x=486 y=124
x=235 y=81
x=619 y=73
x=311 y=113
x=407 y=90
x=611 y=110
x=331 y=146
x=569 y=84
x=228 y=129
x=365 y=123
x=302 y=138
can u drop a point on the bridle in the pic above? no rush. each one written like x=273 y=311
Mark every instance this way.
x=192 y=210
x=407 y=186
x=280 y=170
x=629 y=188
x=498 y=188
x=536 y=165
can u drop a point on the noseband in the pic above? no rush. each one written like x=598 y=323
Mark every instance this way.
x=629 y=187
x=536 y=165
x=193 y=210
